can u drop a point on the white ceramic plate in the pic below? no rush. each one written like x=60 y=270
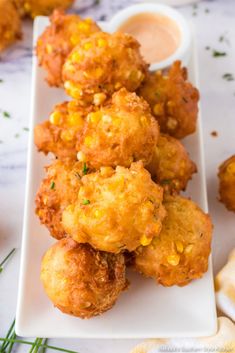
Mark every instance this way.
x=145 y=310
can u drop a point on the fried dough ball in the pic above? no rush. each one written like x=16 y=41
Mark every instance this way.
x=81 y=281
x=227 y=183
x=173 y=100
x=61 y=132
x=58 y=40
x=35 y=8
x=10 y=24
x=102 y=64
x=116 y=209
x=120 y=132
x=180 y=253
x=58 y=190
x=171 y=166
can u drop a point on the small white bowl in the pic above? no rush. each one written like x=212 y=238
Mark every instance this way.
x=184 y=48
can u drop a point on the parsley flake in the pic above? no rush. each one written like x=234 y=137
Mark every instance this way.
x=86 y=202
x=52 y=186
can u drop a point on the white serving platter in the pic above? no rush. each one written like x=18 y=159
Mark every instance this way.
x=146 y=310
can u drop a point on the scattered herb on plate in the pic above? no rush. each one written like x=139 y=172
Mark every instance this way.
x=25 y=128
x=85 y=169
x=228 y=77
x=86 y=202
x=6 y=114
x=217 y=53
x=6 y=259
x=52 y=186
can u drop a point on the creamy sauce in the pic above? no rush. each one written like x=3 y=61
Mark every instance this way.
x=158 y=35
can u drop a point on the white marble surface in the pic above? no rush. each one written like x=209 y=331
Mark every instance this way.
x=212 y=19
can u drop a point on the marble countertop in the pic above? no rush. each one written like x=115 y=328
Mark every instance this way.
x=215 y=30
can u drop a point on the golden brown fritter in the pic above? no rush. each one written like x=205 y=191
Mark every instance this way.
x=102 y=64
x=35 y=8
x=10 y=24
x=58 y=190
x=81 y=281
x=180 y=253
x=119 y=133
x=116 y=209
x=227 y=183
x=58 y=40
x=173 y=100
x=171 y=166
x=60 y=134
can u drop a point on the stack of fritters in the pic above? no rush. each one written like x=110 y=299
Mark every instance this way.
x=113 y=191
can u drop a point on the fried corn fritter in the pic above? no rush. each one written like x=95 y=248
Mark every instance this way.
x=10 y=24
x=227 y=183
x=58 y=190
x=173 y=100
x=35 y=8
x=116 y=209
x=81 y=281
x=180 y=253
x=102 y=64
x=119 y=133
x=58 y=40
x=171 y=166
x=60 y=134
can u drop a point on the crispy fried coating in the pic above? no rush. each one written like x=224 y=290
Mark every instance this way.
x=227 y=183
x=180 y=253
x=58 y=190
x=81 y=281
x=10 y=24
x=35 y=8
x=171 y=166
x=119 y=133
x=58 y=40
x=60 y=134
x=102 y=64
x=173 y=100
x=116 y=209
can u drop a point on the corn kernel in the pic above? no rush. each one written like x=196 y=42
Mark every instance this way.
x=84 y=26
x=106 y=171
x=172 y=123
x=94 y=117
x=106 y=118
x=179 y=246
x=70 y=208
x=158 y=109
x=188 y=249
x=88 y=141
x=144 y=120
x=101 y=43
x=98 y=213
x=72 y=90
x=99 y=98
x=117 y=85
x=88 y=20
x=145 y=241
x=87 y=45
x=49 y=48
x=56 y=118
x=75 y=119
x=81 y=156
x=173 y=260
x=66 y=135
x=116 y=121
x=75 y=39
x=76 y=57
x=157 y=228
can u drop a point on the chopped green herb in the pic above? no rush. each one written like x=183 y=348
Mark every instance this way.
x=165 y=182
x=25 y=128
x=85 y=169
x=17 y=136
x=6 y=114
x=96 y=2
x=86 y=202
x=217 y=53
x=6 y=258
x=52 y=186
x=228 y=77
x=223 y=38
x=1 y=80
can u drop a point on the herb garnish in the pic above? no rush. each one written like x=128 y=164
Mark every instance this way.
x=85 y=169
x=6 y=114
x=228 y=77
x=25 y=128
x=217 y=53
x=165 y=182
x=52 y=186
x=86 y=202
x=6 y=258
x=1 y=80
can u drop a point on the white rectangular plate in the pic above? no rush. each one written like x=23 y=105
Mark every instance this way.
x=145 y=310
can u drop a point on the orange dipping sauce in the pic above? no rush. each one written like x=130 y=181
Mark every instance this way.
x=158 y=35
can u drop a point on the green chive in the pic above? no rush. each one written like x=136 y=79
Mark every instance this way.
x=6 y=115
x=228 y=77
x=6 y=258
x=25 y=128
x=85 y=169
x=52 y=186
x=86 y=202
x=217 y=53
